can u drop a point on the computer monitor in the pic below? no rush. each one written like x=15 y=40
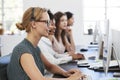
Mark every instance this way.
x=116 y=45
x=107 y=31
x=115 y=54
x=107 y=49
x=100 y=46
x=96 y=33
x=98 y=37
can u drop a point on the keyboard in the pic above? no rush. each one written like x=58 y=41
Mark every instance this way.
x=87 y=77
x=83 y=63
x=99 y=64
x=109 y=79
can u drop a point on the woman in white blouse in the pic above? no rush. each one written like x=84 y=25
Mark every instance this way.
x=45 y=45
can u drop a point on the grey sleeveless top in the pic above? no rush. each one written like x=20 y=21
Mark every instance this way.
x=14 y=69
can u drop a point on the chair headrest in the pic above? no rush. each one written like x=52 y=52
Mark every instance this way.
x=5 y=59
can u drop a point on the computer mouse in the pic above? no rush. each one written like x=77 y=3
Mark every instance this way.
x=83 y=50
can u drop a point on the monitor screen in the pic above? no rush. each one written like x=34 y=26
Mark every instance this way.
x=95 y=34
x=99 y=28
x=98 y=37
x=107 y=49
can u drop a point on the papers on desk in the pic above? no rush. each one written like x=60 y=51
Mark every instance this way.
x=96 y=64
x=99 y=64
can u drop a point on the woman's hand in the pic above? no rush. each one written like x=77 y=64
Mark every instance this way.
x=68 y=31
x=70 y=72
x=70 y=49
x=77 y=56
x=75 y=75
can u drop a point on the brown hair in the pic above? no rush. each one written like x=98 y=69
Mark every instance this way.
x=57 y=17
x=31 y=14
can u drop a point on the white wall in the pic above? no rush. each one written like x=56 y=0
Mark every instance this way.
x=75 y=6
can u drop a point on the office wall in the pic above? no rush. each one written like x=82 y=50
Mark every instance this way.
x=75 y=6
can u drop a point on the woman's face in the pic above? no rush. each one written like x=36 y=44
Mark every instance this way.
x=42 y=26
x=63 y=22
x=52 y=27
x=70 y=21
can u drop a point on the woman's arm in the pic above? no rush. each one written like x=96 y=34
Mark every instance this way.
x=53 y=68
x=73 y=74
x=29 y=66
x=70 y=36
x=68 y=46
x=72 y=40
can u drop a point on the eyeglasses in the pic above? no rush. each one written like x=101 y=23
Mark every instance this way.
x=33 y=19
x=45 y=21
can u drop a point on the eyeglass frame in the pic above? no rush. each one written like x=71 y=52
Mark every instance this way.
x=33 y=18
x=45 y=21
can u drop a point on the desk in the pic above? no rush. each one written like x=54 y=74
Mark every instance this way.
x=94 y=74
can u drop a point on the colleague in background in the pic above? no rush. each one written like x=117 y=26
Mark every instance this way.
x=27 y=62
x=70 y=18
x=70 y=22
x=45 y=45
x=60 y=42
